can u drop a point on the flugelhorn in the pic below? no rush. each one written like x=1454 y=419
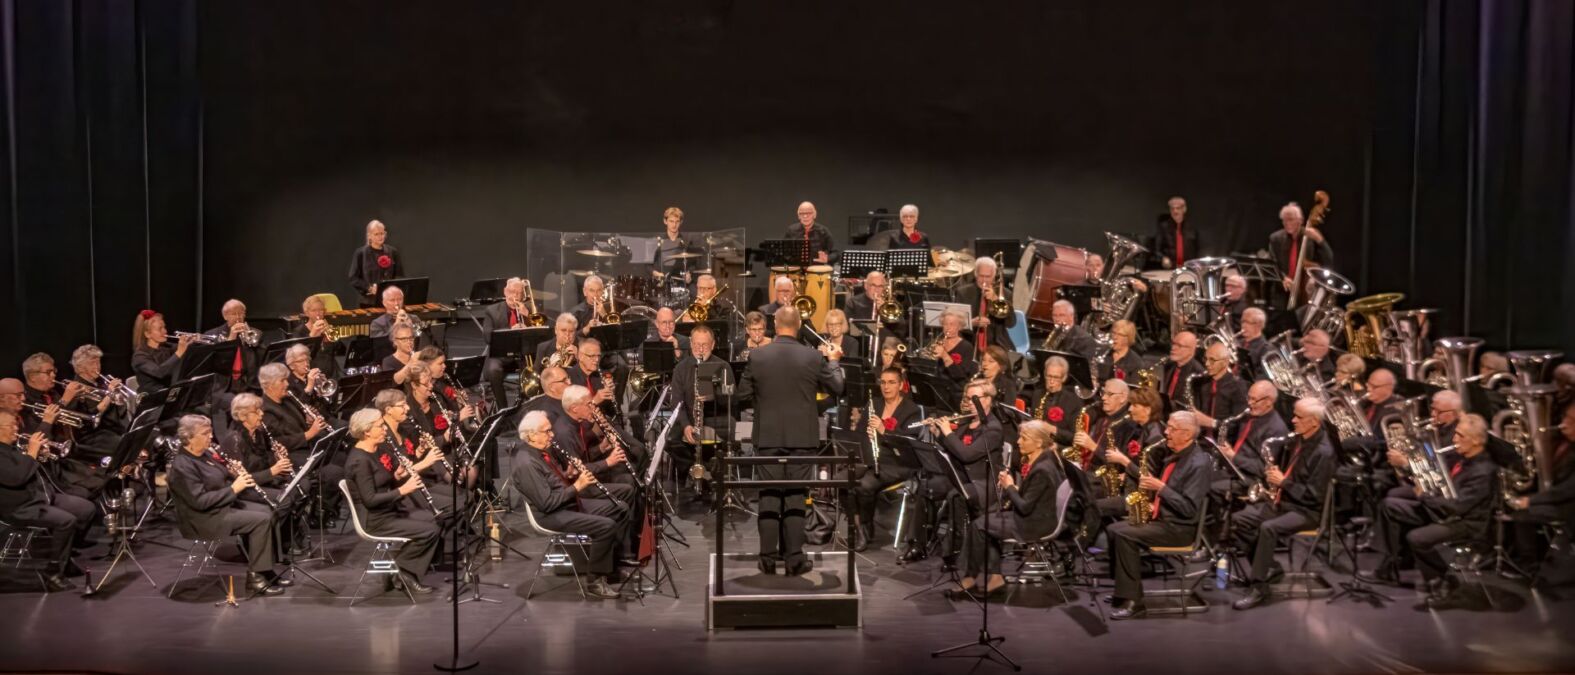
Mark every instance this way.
x=69 y=418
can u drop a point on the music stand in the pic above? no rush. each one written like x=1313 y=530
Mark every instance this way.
x=193 y=393
x=298 y=484
x=1011 y=250
x=657 y=357
x=517 y=342
x=908 y=262
x=719 y=328
x=357 y=391
x=932 y=390
x=487 y=291
x=126 y=450
x=860 y=262
x=415 y=289
x=1080 y=295
x=863 y=226
x=275 y=351
x=790 y=252
x=617 y=337
x=1076 y=366
x=199 y=360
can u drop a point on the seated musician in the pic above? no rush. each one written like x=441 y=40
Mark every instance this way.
x=251 y=442
x=1251 y=339
x=1296 y=498
x=955 y=355
x=782 y=293
x=154 y=358
x=373 y=263
x=95 y=434
x=1242 y=446
x=1179 y=366
x=424 y=415
x=1348 y=371
x=1378 y=402
x=987 y=330
x=315 y=324
x=99 y=439
x=969 y=445
x=1555 y=504
x=1030 y=513
x=589 y=373
x=817 y=239
x=559 y=351
x=709 y=423
x=1222 y=394
x=508 y=314
x=1236 y=300
x=41 y=396
x=452 y=400
x=1057 y=403
x=565 y=500
x=1144 y=405
x=242 y=365
x=579 y=434
x=670 y=244
x=1316 y=351
x=891 y=414
x=554 y=381
x=404 y=360
x=706 y=290
x=754 y=336
x=837 y=334
x=1076 y=339
x=383 y=490
x=1419 y=526
x=207 y=499
x=1286 y=243
x=1113 y=439
x=1444 y=413
x=305 y=377
x=404 y=436
x=862 y=307
x=893 y=354
x=907 y=236
x=297 y=424
x=27 y=499
x=1179 y=500
x=395 y=314
x=995 y=366
x=1125 y=362
x=1175 y=241
x=664 y=329
x=587 y=314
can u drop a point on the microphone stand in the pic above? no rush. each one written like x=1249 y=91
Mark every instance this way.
x=454 y=663
x=985 y=639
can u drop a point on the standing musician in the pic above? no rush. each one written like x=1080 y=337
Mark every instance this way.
x=207 y=499
x=1221 y=394
x=816 y=238
x=1317 y=352
x=702 y=342
x=314 y=324
x=154 y=359
x=891 y=413
x=987 y=330
x=837 y=334
x=669 y=244
x=782 y=291
x=565 y=500
x=374 y=263
x=1285 y=244
x=27 y=500
x=907 y=236
x=1297 y=503
x=754 y=336
x=294 y=428
x=994 y=366
x=382 y=492
x=969 y=445
x=781 y=380
x=1030 y=512
x=508 y=314
x=1124 y=361
x=1418 y=526
x=1181 y=364
x=1056 y=403
x=243 y=363
x=1174 y=243
x=664 y=329
x=956 y=356
x=1252 y=341
x=1242 y=446
x=1180 y=500
x=564 y=332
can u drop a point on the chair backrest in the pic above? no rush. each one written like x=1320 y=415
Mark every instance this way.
x=330 y=302
x=1019 y=332
x=355 y=516
x=530 y=514
x=1063 y=497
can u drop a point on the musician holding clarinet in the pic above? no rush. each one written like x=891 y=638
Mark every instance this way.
x=208 y=499
x=380 y=485
x=565 y=499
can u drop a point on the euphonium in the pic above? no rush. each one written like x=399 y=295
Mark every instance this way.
x=1364 y=322
x=1455 y=366
x=1323 y=312
x=1140 y=505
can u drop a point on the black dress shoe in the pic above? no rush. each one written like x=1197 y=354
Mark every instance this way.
x=599 y=590
x=259 y=584
x=800 y=568
x=400 y=582
x=1132 y=610
x=56 y=583
x=1255 y=596
x=767 y=566
x=861 y=540
x=913 y=554
x=280 y=580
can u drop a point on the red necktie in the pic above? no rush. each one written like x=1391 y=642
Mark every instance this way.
x=980 y=338
x=1153 y=513
x=1180 y=255
x=1292 y=257
x=1456 y=471
x=1170 y=391
x=1288 y=471
x=1214 y=395
x=236 y=366
x=554 y=466
x=514 y=318
x=1243 y=438
x=1370 y=411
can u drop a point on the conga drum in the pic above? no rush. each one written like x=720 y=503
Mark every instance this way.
x=1068 y=267
x=817 y=285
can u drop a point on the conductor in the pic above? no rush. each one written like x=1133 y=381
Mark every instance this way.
x=782 y=379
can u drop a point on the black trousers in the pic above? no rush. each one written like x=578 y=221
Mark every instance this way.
x=65 y=518
x=253 y=522
x=1127 y=542
x=425 y=536
x=1405 y=526
x=597 y=519
x=1526 y=547
x=1259 y=527
x=493 y=372
x=867 y=494
x=781 y=521
x=984 y=541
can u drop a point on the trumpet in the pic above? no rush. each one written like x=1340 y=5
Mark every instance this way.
x=561 y=358
x=50 y=451
x=91 y=393
x=330 y=332
x=69 y=418
x=199 y=338
x=325 y=387
x=122 y=394
x=417 y=326
x=953 y=419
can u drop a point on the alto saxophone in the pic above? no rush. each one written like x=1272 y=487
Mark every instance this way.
x=1140 y=505
x=1113 y=475
x=1071 y=453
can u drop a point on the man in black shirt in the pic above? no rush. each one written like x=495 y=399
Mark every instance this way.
x=1221 y=394
x=816 y=238
x=1179 y=502
x=1296 y=501
x=565 y=500
x=26 y=499
x=1286 y=244
x=1175 y=240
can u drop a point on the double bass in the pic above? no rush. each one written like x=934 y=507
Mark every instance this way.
x=1314 y=219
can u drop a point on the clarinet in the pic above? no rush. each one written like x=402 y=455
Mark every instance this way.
x=428 y=443
x=410 y=468
x=307 y=411
x=575 y=463
x=459 y=432
x=612 y=437
x=238 y=469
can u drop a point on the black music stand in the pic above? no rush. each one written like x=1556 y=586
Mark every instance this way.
x=359 y=351
x=357 y=391
x=1076 y=367
x=719 y=328
x=275 y=351
x=193 y=392
x=908 y=262
x=789 y=252
x=931 y=390
x=328 y=446
x=466 y=370
x=1080 y=295
x=860 y=262
x=415 y=289
x=487 y=291
x=517 y=342
x=126 y=451
x=930 y=460
x=617 y=337
x=202 y=359
x=657 y=357
x=321 y=451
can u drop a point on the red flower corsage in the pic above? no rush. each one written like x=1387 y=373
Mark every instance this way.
x=889 y=422
x=385 y=262
x=915 y=237
x=147 y=314
x=388 y=464
x=1133 y=448
x=967 y=439
x=410 y=447
x=1055 y=414
x=440 y=423
x=1121 y=374
x=956 y=357
x=1025 y=469
x=448 y=391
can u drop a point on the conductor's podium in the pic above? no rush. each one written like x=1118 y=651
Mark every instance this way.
x=824 y=597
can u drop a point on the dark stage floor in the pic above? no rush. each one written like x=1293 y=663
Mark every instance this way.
x=134 y=628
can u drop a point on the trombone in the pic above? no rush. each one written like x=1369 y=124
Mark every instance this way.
x=999 y=307
x=700 y=310
x=531 y=317
x=609 y=313
x=69 y=418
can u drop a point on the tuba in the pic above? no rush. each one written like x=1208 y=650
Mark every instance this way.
x=1528 y=425
x=1197 y=283
x=1117 y=296
x=1365 y=321
x=1281 y=367
x=1404 y=432
x=1405 y=339
x=1452 y=370
x=1327 y=287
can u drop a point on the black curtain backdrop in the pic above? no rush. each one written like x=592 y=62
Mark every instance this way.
x=172 y=154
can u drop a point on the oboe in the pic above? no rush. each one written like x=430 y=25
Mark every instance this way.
x=612 y=437
x=410 y=470
x=575 y=463
x=237 y=469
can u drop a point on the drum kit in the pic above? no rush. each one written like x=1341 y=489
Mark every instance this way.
x=639 y=290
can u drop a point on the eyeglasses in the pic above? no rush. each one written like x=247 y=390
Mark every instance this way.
x=1260 y=399
x=1110 y=393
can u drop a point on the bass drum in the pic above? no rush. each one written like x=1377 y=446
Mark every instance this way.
x=1069 y=267
x=1159 y=290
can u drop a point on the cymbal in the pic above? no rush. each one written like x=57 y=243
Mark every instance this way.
x=680 y=256
x=582 y=273
x=597 y=253
x=543 y=296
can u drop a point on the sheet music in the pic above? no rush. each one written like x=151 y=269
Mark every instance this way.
x=661 y=443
